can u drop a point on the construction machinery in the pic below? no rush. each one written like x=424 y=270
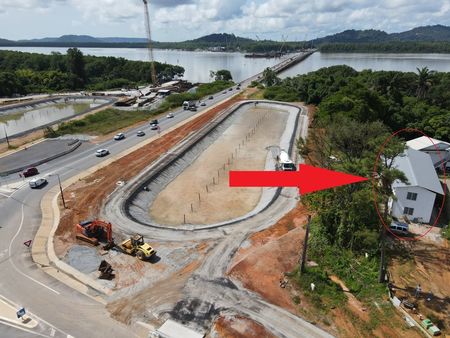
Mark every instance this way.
x=136 y=246
x=93 y=231
x=149 y=46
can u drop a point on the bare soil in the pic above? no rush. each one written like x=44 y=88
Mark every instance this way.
x=204 y=187
x=87 y=195
x=239 y=327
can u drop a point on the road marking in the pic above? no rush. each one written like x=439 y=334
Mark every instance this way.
x=4 y=321
x=12 y=263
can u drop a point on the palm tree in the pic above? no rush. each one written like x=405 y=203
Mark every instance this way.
x=424 y=82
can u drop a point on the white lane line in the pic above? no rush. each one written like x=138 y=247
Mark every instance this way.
x=4 y=321
x=12 y=263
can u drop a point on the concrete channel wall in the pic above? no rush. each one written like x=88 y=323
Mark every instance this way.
x=109 y=100
x=169 y=166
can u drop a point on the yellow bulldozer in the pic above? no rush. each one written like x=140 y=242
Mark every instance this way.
x=136 y=246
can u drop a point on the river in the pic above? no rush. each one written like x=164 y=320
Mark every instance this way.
x=199 y=64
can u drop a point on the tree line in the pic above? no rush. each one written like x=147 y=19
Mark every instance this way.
x=356 y=113
x=24 y=73
x=387 y=47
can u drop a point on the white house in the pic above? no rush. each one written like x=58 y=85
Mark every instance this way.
x=438 y=150
x=416 y=199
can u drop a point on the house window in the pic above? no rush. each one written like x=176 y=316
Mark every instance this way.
x=408 y=211
x=411 y=196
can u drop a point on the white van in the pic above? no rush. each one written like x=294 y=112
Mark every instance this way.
x=37 y=182
x=399 y=228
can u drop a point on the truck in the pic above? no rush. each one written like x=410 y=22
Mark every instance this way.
x=187 y=105
x=284 y=163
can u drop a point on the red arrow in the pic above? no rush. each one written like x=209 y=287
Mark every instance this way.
x=307 y=179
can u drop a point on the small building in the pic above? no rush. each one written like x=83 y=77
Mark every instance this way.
x=416 y=199
x=173 y=329
x=163 y=92
x=438 y=150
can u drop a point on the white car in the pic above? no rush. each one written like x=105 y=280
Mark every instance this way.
x=170 y=115
x=101 y=152
x=140 y=133
x=119 y=136
x=37 y=182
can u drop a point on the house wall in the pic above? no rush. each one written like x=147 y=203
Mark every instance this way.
x=423 y=205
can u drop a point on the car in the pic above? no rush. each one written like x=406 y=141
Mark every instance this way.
x=230 y=89
x=119 y=136
x=154 y=122
x=203 y=104
x=38 y=182
x=170 y=115
x=101 y=152
x=193 y=108
x=140 y=133
x=154 y=127
x=224 y=92
x=238 y=87
x=211 y=97
x=30 y=172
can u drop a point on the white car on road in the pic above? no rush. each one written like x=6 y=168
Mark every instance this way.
x=37 y=182
x=119 y=136
x=101 y=152
x=170 y=115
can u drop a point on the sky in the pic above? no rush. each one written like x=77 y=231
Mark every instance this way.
x=179 y=20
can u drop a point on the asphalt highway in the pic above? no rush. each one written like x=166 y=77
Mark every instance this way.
x=65 y=311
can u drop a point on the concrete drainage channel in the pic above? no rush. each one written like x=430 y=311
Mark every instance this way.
x=132 y=200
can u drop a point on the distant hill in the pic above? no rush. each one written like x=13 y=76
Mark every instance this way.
x=67 y=38
x=221 y=38
x=4 y=42
x=123 y=40
x=419 y=34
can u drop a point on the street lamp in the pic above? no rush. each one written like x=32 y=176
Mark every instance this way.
x=60 y=188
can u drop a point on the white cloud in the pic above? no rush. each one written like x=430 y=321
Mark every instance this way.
x=184 y=19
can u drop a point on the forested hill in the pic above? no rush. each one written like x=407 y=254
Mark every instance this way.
x=420 y=34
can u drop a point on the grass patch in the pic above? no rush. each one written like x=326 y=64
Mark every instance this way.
x=102 y=122
x=259 y=95
x=110 y=120
x=11 y=117
x=446 y=232
x=326 y=294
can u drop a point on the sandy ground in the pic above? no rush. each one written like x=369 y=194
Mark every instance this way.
x=238 y=327
x=208 y=175
x=85 y=197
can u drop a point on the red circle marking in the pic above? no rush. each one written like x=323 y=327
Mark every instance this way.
x=375 y=193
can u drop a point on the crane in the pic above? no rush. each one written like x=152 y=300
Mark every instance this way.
x=150 y=47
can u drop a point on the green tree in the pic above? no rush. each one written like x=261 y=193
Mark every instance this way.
x=223 y=75
x=269 y=77
x=75 y=65
x=423 y=82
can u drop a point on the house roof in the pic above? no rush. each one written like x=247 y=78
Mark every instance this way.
x=427 y=143
x=419 y=171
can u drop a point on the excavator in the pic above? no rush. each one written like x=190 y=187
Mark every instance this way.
x=136 y=246
x=93 y=231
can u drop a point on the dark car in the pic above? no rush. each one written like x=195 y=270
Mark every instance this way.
x=211 y=98
x=30 y=172
x=193 y=108
x=154 y=122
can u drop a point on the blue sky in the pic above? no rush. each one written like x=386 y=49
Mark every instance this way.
x=177 y=20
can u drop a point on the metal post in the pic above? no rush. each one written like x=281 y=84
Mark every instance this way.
x=198 y=196
x=62 y=194
x=6 y=136
x=207 y=188
x=184 y=218
x=192 y=208
x=305 y=247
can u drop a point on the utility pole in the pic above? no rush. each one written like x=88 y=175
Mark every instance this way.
x=382 y=271
x=305 y=247
x=6 y=136
x=60 y=189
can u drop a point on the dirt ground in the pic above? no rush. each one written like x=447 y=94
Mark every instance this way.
x=231 y=151
x=86 y=196
x=238 y=327
x=261 y=272
x=427 y=264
